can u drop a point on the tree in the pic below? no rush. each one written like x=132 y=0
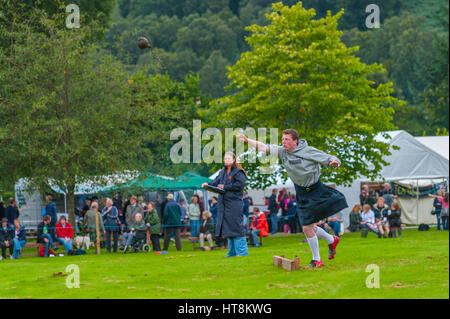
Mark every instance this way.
x=300 y=75
x=212 y=75
x=66 y=117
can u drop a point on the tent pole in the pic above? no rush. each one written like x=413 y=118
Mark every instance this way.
x=417 y=202
x=65 y=204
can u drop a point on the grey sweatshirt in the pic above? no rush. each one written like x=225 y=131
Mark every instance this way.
x=302 y=164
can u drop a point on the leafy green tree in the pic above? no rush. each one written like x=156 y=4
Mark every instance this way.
x=212 y=75
x=71 y=114
x=300 y=75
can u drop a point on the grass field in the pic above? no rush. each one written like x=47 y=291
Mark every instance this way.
x=414 y=266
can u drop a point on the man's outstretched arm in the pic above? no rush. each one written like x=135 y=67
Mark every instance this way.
x=258 y=145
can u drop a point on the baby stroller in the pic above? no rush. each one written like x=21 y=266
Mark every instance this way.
x=141 y=242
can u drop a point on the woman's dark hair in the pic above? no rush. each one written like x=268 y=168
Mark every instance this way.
x=446 y=197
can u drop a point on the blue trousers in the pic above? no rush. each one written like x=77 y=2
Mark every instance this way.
x=273 y=219
x=444 y=222
x=438 y=216
x=195 y=226
x=237 y=246
x=67 y=244
x=48 y=244
x=336 y=227
x=253 y=237
x=18 y=247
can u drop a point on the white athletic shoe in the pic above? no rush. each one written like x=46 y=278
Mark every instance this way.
x=1 y=257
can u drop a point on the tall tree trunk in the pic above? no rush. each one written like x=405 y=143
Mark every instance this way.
x=71 y=206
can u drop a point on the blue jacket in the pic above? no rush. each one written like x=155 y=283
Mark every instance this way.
x=22 y=233
x=50 y=210
x=246 y=202
x=12 y=213
x=230 y=205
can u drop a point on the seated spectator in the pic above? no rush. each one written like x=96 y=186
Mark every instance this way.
x=136 y=230
x=64 y=234
x=368 y=221
x=6 y=238
x=90 y=221
x=20 y=238
x=355 y=218
x=258 y=227
x=334 y=221
x=394 y=219
x=45 y=234
x=153 y=223
x=381 y=210
x=207 y=230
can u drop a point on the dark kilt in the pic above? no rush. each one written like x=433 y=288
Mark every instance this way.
x=318 y=202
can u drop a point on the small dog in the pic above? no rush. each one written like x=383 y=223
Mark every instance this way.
x=82 y=241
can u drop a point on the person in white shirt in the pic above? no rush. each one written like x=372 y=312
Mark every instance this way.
x=368 y=220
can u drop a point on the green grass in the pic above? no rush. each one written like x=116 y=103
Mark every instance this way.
x=414 y=266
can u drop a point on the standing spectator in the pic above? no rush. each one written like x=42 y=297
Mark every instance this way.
x=292 y=210
x=6 y=238
x=2 y=210
x=368 y=221
x=213 y=208
x=153 y=223
x=441 y=208
x=171 y=220
x=64 y=233
x=334 y=221
x=12 y=212
x=381 y=210
x=285 y=213
x=232 y=180
x=111 y=222
x=364 y=195
x=273 y=208
x=394 y=219
x=355 y=218
x=90 y=221
x=132 y=210
x=158 y=202
x=184 y=216
x=194 y=216
x=437 y=204
x=20 y=238
x=50 y=210
x=258 y=227
x=86 y=207
x=117 y=202
x=372 y=198
x=245 y=211
x=444 y=212
x=388 y=194
x=45 y=234
x=206 y=230
x=200 y=202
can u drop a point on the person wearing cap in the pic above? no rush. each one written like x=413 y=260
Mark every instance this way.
x=171 y=221
x=6 y=238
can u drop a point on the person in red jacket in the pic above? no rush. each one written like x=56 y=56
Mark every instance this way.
x=259 y=227
x=64 y=233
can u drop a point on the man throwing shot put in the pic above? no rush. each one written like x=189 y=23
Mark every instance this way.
x=315 y=201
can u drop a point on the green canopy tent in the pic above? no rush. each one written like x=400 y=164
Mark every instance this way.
x=189 y=180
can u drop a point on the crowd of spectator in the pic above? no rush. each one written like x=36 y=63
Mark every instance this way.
x=168 y=220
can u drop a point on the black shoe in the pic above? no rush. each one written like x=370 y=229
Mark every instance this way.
x=202 y=248
x=55 y=248
x=384 y=235
x=379 y=235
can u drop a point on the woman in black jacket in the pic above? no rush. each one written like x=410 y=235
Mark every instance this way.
x=230 y=217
